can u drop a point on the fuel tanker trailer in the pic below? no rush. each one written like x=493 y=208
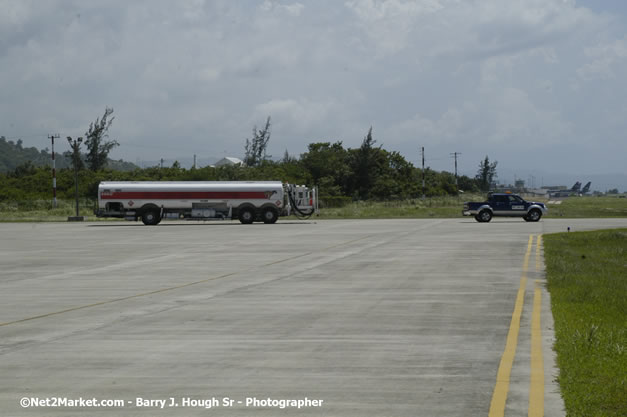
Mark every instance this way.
x=248 y=201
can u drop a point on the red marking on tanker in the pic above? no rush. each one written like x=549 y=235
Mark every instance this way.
x=184 y=195
x=130 y=203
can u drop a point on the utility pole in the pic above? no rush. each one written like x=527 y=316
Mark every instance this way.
x=161 y=166
x=54 y=172
x=194 y=161
x=75 y=144
x=423 y=172
x=454 y=155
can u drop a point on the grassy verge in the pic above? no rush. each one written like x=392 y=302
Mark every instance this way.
x=587 y=207
x=450 y=207
x=587 y=279
x=43 y=211
x=434 y=207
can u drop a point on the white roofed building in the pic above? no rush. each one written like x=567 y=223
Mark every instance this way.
x=228 y=160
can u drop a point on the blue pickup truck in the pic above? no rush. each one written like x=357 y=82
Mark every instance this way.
x=506 y=205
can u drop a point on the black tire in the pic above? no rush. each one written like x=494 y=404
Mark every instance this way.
x=269 y=215
x=534 y=215
x=151 y=217
x=246 y=215
x=477 y=218
x=484 y=216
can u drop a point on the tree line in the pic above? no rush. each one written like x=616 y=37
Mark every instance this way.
x=342 y=174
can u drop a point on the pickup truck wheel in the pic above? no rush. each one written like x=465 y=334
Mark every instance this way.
x=484 y=216
x=151 y=217
x=246 y=216
x=270 y=215
x=534 y=215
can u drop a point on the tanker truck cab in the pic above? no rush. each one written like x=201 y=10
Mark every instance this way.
x=248 y=201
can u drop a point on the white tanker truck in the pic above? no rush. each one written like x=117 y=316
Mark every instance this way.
x=248 y=201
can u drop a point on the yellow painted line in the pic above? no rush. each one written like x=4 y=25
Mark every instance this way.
x=538 y=247
x=536 y=383
x=176 y=287
x=501 y=389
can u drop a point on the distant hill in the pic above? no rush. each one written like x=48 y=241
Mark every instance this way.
x=13 y=154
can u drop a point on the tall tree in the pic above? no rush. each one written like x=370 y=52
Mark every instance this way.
x=486 y=174
x=256 y=147
x=287 y=158
x=327 y=166
x=367 y=161
x=97 y=147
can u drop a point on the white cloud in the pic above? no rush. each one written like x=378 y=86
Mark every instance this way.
x=506 y=117
x=292 y=9
x=604 y=58
x=498 y=75
x=389 y=24
x=299 y=114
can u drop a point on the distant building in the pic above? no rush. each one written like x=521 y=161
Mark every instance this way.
x=229 y=161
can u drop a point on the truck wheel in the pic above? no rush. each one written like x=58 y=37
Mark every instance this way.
x=246 y=216
x=534 y=215
x=151 y=217
x=485 y=216
x=270 y=215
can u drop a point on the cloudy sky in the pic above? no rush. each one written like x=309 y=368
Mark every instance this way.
x=539 y=85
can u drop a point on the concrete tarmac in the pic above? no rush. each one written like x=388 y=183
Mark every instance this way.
x=366 y=317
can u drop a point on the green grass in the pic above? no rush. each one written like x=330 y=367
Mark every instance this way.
x=43 y=211
x=448 y=207
x=587 y=279
x=582 y=207
x=433 y=207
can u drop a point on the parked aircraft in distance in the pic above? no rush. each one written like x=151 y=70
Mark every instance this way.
x=574 y=190
x=586 y=188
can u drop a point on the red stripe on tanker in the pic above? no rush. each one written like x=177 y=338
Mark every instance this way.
x=185 y=195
